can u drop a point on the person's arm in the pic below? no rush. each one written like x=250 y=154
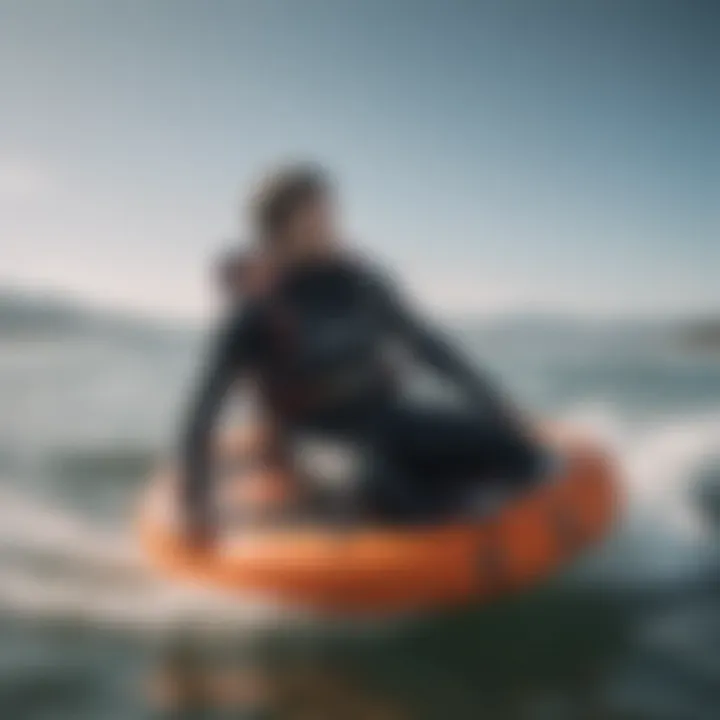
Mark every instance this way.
x=432 y=347
x=227 y=359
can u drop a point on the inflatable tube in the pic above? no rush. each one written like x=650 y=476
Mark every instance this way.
x=396 y=569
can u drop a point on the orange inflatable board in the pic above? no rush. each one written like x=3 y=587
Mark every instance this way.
x=377 y=569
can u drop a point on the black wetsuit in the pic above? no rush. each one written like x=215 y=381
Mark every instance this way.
x=318 y=345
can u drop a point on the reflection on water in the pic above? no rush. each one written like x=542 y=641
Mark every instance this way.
x=307 y=688
x=558 y=655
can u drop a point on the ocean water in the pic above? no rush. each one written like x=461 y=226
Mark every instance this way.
x=87 y=631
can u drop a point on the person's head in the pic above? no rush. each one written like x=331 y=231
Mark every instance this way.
x=294 y=213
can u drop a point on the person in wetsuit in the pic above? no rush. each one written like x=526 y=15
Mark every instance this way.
x=316 y=337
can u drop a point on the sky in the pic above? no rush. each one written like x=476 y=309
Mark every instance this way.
x=551 y=155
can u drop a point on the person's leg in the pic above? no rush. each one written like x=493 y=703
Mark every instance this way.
x=447 y=446
x=420 y=460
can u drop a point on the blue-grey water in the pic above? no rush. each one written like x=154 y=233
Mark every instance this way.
x=86 y=631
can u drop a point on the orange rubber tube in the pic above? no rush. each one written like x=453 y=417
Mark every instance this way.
x=387 y=569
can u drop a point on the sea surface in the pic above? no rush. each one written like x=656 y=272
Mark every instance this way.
x=632 y=631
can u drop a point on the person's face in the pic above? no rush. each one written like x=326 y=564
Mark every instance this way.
x=311 y=232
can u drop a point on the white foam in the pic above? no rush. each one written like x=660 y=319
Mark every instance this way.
x=663 y=535
x=56 y=565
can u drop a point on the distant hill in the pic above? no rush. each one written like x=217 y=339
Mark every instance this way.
x=22 y=315
x=29 y=316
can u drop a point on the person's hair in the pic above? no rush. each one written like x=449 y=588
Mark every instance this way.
x=283 y=192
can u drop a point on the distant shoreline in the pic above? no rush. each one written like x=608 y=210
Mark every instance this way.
x=27 y=315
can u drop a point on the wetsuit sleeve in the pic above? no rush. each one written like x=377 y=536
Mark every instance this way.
x=230 y=354
x=432 y=347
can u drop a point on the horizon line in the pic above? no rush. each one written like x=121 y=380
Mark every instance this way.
x=76 y=300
